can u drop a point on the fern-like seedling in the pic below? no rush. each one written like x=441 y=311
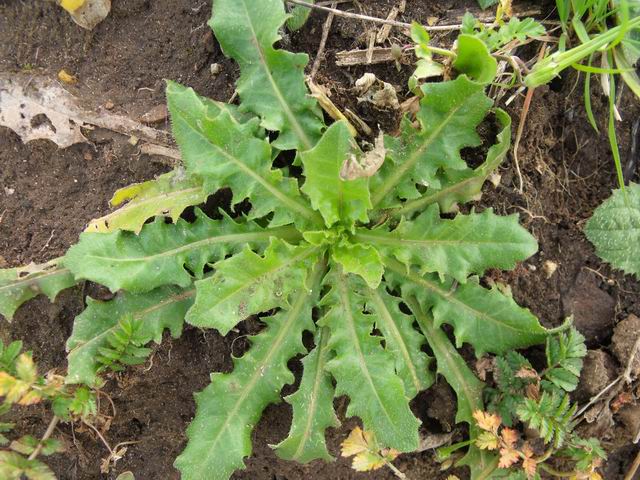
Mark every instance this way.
x=551 y=416
x=565 y=352
x=124 y=345
x=540 y=401
x=356 y=261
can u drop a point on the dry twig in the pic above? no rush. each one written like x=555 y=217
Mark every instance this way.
x=323 y=42
x=45 y=437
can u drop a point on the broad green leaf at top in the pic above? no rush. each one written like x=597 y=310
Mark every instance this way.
x=614 y=229
x=474 y=60
x=338 y=200
x=271 y=82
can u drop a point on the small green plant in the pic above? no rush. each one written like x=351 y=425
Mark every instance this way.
x=515 y=31
x=614 y=229
x=20 y=384
x=540 y=402
x=323 y=245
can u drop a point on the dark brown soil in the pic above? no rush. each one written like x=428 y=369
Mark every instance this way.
x=48 y=195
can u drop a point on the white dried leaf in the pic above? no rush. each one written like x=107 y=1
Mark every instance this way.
x=39 y=108
x=367 y=164
x=365 y=82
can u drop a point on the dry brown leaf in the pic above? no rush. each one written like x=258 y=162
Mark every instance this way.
x=526 y=372
x=508 y=457
x=434 y=440
x=368 y=164
x=484 y=365
x=529 y=464
x=487 y=421
x=509 y=437
x=530 y=467
x=39 y=108
x=356 y=442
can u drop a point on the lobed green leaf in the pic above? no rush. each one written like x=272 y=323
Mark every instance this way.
x=402 y=340
x=230 y=407
x=224 y=152
x=271 y=82
x=448 y=117
x=312 y=408
x=468 y=387
x=163 y=254
x=486 y=319
x=18 y=285
x=459 y=247
x=363 y=369
x=247 y=284
x=461 y=186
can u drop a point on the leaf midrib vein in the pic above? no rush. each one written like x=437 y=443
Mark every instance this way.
x=403 y=168
x=284 y=329
x=34 y=278
x=231 y=238
x=344 y=297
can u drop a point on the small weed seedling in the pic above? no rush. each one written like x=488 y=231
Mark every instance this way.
x=328 y=246
x=20 y=385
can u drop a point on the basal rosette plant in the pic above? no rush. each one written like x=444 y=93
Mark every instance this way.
x=355 y=261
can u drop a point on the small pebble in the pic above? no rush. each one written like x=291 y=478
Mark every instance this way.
x=216 y=68
x=549 y=268
x=9 y=191
x=157 y=114
x=109 y=105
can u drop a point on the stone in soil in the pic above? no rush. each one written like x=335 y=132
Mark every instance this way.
x=625 y=335
x=593 y=310
x=599 y=370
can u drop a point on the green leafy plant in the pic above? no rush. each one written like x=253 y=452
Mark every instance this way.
x=353 y=258
x=614 y=229
x=21 y=385
x=539 y=401
x=515 y=30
